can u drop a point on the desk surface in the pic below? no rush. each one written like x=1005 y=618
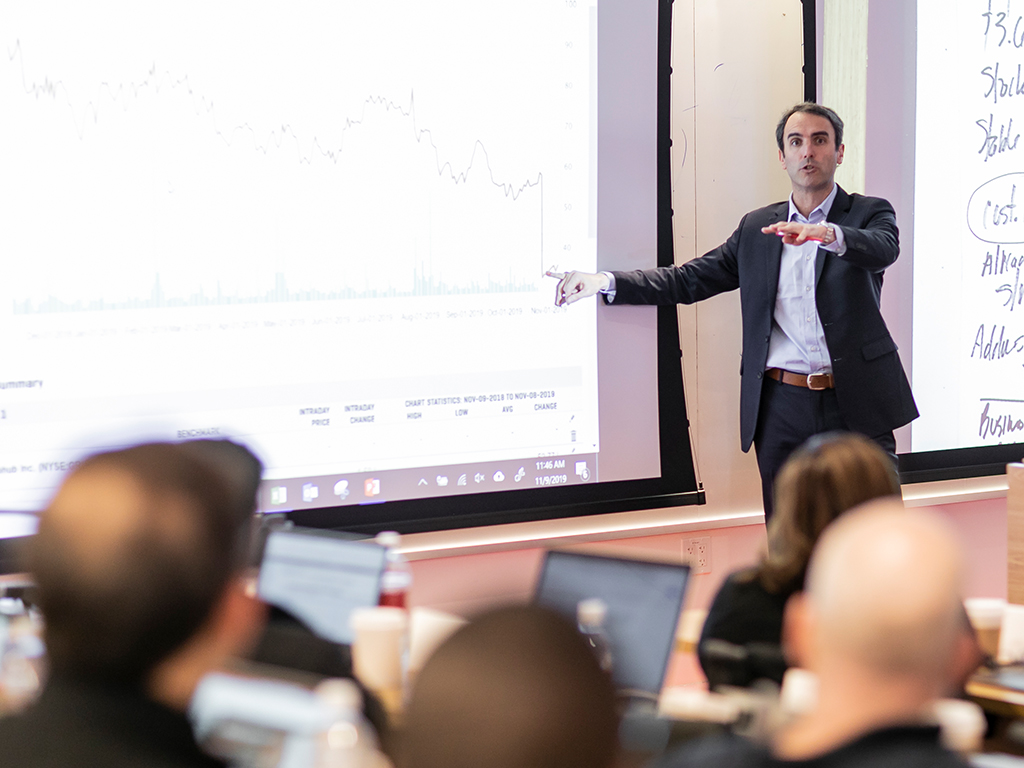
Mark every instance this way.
x=999 y=691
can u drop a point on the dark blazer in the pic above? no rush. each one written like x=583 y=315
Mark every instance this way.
x=871 y=388
x=91 y=725
x=894 y=746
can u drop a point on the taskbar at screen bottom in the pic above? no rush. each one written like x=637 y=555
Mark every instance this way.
x=355 y=488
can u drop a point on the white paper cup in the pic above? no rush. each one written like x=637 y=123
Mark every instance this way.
x=962 y=724
x=986 y=615
x=799 y=694
x=378 y=647
x=428 y=628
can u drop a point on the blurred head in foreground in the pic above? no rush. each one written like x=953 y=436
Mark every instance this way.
x=515 y=688
x=242 y=471
x=881 y=612
x=136 y=561
x=828 y=475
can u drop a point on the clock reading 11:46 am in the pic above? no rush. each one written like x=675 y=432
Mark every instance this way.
x=551 y=464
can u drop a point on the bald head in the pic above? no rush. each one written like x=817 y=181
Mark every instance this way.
x=130 y=557
x=884 y=585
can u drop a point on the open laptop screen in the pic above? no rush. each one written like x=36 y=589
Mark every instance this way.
x=644 y=601
x=320 y=577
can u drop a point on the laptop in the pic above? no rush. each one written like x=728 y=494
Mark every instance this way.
x=644 y=602
x=320 y=577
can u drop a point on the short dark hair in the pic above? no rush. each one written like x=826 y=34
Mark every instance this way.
x=515 y=687
x=113 y=616
x=242 y=470
x=810 y=108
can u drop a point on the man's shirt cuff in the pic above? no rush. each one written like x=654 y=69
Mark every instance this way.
x=609 y=292
x=839 y=246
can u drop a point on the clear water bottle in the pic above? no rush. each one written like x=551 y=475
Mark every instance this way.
x=397 y=577
x=590 y=615
x=22 y=655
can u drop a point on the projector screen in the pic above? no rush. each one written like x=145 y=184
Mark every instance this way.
x=322 y=231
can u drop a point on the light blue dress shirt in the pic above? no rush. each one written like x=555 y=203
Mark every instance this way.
x=797 y=342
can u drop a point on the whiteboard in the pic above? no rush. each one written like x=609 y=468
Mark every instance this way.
x=968 y=317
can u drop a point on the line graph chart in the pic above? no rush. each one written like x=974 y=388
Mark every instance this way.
x=155 y=81
x=363 y=165
x=376 y=161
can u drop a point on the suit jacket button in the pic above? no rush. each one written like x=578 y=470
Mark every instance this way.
x=760 y=374
x=767 y=339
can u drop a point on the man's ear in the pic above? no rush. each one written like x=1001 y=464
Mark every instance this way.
x=839 y=154
x=797 y=632
x=967 y=656
x=239 y=618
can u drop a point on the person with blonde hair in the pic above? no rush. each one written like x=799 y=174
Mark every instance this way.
x=828 y=475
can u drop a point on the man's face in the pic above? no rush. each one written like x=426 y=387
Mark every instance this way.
x=809 y=153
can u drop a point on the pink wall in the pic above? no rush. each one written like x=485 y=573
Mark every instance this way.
x=981 y=526
x=469 y=583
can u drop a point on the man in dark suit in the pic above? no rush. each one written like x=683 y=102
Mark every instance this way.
x=817 y=355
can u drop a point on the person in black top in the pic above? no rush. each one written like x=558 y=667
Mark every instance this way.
x=828 y=475
x=137 y=562
x=883 y=646
x=895 y=747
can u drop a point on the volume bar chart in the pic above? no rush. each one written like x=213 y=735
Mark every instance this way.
x=280 y=293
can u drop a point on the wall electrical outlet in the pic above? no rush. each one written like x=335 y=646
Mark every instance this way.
x=697 y=552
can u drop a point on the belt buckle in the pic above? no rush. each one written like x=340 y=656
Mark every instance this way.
x=813 y=380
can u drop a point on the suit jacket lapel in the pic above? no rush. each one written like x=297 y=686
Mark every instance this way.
x=836 y=215
x=773 y=255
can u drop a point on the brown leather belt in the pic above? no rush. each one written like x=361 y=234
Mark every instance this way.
x=815 y=381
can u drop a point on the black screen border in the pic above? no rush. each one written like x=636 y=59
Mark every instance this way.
x=958 y=463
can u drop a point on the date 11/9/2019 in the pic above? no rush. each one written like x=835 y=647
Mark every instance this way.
x=545 y=480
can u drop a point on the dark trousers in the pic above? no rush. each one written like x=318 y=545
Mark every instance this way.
x=787 y=417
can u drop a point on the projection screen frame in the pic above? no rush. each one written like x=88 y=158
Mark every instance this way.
x=677 y=485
